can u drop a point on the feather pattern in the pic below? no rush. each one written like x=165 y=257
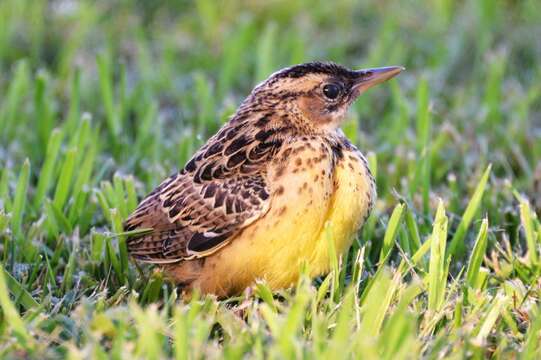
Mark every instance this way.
x=221 y=190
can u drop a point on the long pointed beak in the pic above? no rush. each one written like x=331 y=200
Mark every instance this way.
x=370 y=77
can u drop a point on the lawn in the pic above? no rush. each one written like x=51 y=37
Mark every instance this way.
x=101 y=100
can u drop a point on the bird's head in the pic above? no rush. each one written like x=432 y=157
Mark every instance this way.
x=317 y=95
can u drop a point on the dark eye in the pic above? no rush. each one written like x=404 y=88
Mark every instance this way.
x=332 y=91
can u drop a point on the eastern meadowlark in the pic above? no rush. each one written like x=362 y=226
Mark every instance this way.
x=254 y=201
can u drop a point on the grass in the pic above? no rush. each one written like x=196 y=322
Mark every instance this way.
x=99 y=101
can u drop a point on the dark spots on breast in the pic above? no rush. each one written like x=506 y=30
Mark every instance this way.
x=286 y=153
x=320 y=158
x=316 y=178
x=281 y=211
x=295 y=151
x=280 y=171
x=279 y=190
x=350 y=165
x=303 y=187
x=365 y=163
x=236 y=145
x=298 y=161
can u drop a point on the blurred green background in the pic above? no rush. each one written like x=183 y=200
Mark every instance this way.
x=101 y=100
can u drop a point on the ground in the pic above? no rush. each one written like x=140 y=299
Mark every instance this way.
x=101 y=100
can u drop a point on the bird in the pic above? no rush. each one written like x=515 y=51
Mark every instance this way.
x=263 y=196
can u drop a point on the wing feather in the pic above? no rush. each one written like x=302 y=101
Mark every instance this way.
x=195 y=212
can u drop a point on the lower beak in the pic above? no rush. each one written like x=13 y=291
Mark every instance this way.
x=370 y=77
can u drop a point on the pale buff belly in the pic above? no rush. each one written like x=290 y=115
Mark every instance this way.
x=311 y=200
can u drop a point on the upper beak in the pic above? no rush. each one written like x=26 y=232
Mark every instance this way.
x=370 y=77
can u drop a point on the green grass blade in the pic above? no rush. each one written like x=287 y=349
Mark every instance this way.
x=15 y=95
x=19 y=292
x=532 y=350
x=531 y=236
x=44 y=118
x=490 y=319
x=265 y=49
x=65 y=179
x=423 y=141
x=413 y=230
x=131 y=194
x=47 y=171
x=436 y=272
x=106 y=87
x=391 y=232
x=477 y=255
x=377 y=302
x=456 y=248
x=11 y=315
x=333 y=259
x=117 y=219
x=265 y=293
x=5 y=200
x=74 y=112
x=373 y=164
x=67 y=280
x=19 y=202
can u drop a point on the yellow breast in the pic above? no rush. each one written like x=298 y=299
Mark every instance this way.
x=314 y=187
